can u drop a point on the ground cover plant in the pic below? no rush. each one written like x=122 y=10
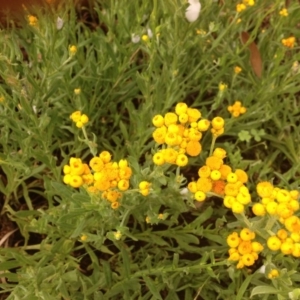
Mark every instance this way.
x=150 y=150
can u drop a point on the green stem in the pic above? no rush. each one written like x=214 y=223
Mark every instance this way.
x=90 y=144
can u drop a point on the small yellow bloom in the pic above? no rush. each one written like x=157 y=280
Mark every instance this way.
x=237 y=70
x=204 y=184
x=123 y=185
x=158 y=159
x=274 y=243
x=240 y=7
x=236 y=109
x=232 y=178
x=161 y=216
x=259 y=209
x=201 y=32
x=284 y=12
x=105 y=156
x=181 y=108
x=215 y=175
x=249 y=2
x=115 y=205
x=193 y=148
x=76 y=181
x=237 y=207
x=158 y=121
x=219 y=152
x=77 y=91
x=203 y=124
x=32 y=20
x=273 y=274
x=248 y=259
x=246 y=234
x=145 y=38
x=117 y=235
x=217 y=123
x=200 y=196
x=170 y=118
x=145 y=192
x=233 y=240
x=264 y=189
x=222 y=86
x=83 y=238
x=72 y=50
x=182 y=160
x=2 y=99
x=204 y=172
x=214 y=163
x=289 y=42
x=144 y=185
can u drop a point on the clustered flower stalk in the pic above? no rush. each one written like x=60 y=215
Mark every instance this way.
x=178 y=136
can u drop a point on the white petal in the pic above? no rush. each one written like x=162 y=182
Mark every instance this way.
x=59 y=23
x=193 y=11
x=184 y=191
x=135 y=38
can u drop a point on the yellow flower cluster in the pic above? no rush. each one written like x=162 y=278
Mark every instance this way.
x=275 y=201
x=242 y=6
x=236 y=109
x=288 y=242
x=79 y=119
x=211 y=176
x=76 y=173
x=289 y=42
x=101 y=175
x=282 y=204
x=144 y=188
x=283 y=12
x=237 y=195
x=242 y=248
x=32 y=20
x=181 y=133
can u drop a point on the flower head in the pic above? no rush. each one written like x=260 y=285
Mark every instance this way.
x=72 y=50
x=237 y=70
x=32 y=20
x=283 y=12
x=289 y=42
x=77 y=91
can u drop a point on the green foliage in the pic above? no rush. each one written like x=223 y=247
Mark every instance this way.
x=70 y=244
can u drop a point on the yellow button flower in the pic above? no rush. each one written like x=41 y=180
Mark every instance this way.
x=200 y=196
x=289 y=42
x=181 y=108
x=72 y=50
x=158 y=121
x=274 y=243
